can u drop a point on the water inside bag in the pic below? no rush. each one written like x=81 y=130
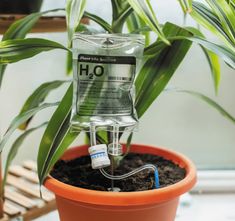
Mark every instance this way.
x=104 y=67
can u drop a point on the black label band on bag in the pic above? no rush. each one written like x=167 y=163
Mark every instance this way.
x=104 y=59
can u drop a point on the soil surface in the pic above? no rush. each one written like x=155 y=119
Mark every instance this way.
x=78 y=172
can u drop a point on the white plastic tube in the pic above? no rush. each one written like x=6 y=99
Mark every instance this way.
x=124 y=176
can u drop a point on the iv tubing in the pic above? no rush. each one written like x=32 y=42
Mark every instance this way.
x=92 y=135
x=144 y=167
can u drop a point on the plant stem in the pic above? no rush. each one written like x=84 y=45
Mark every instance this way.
x=117 y=29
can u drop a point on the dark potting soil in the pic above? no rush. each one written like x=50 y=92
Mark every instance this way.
x=78 y=172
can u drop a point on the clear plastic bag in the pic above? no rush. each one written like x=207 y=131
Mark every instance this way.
x=104 y=69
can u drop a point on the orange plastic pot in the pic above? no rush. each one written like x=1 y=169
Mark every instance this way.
x=152 y=205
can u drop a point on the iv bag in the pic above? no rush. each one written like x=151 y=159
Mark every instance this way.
x=104 y=70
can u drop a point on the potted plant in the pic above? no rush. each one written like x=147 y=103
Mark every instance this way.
x=162 y=58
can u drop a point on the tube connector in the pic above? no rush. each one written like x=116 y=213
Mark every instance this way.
x=115 y=149
x=99 y=156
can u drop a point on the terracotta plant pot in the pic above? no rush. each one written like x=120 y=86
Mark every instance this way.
x=152 y=205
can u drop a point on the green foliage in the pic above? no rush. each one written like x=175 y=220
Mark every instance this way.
x=146 y=13
x=14 y=150
x=158 y=70
x=212 y=58
x=57 y=136
x=217 y=17
x=16 y=50
x=223 y=52
x=19 y=29
x=21 y=118
x=121 y=11
x=38 y=97
x=74 y=13
x=211 y=103
x=136 y=25
x=105 y=25
x=186 y=5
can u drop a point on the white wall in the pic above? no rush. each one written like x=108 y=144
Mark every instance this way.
x=175 y=120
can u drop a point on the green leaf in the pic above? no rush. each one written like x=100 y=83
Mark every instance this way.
x=105 y=25
x=145 y=12
x=14 y=150
x=23 y=26
x=214 y=64
x=19 y=49
x=128 y=144
x=57 y=136
x=231 y=3
x=2 y=71
x=74 y=12
x=204 y=16
x=143 y=30
x=117 y=7
x=120 y=11
x=89 y=29
x=223 y=52
x=19 y=29
x=21 y=118
x=136 y=25
x=226 y=15
x=69 y=63
x=158 y=70
x=212 y=59
x=102 y=137
x=154 y=49
x=211 y=102
x=38 y=97
x=186 y=5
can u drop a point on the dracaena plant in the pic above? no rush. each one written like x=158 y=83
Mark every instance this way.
x=162 y=58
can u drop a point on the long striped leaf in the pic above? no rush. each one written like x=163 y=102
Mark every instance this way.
x=186 y=5
x=117 y=7
x=144 y=10
x=226 y=15
x=57 y=136
x=14 y=150
x=211 y=102
x=121 y=9
x=66 y=139
x=158 y=70
x=19 y=49
x=19 y=119
x=205 y=17
x=74 y=12
x=213 y=61
x=231 y=3
x=223 y=52
x=2 y=71
x=19 y=29
x=105 y=25
x=38 y=97
x=212 y=58
x=136 y=25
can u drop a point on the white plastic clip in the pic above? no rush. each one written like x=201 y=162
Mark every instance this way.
x=99 y=156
